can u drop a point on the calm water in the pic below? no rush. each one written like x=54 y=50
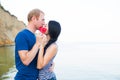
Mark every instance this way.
x=74 y=61
x=6 y=61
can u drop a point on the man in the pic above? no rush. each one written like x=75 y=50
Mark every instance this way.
x=27 y=45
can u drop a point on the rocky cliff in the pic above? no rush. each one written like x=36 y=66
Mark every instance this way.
x=9 y=27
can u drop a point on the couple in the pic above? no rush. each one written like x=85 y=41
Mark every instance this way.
x=34 y=54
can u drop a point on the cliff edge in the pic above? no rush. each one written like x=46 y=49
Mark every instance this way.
x=9 y=27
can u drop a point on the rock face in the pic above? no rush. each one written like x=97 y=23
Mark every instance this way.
x=9 y=27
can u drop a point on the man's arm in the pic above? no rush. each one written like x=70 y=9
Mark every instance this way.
x=27 y=56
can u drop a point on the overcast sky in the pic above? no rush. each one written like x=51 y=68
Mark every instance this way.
x=81 y=20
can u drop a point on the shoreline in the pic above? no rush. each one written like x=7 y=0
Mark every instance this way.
x=5 y=45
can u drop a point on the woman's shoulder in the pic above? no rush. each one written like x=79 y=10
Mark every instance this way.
x=53 y=46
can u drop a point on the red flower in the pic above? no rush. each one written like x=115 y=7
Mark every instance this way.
x=42 y=29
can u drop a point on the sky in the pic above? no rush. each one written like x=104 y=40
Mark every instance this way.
x=81 y=20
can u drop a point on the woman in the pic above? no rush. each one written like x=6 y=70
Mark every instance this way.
x=48 y=51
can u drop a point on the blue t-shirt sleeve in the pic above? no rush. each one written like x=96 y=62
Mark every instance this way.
x=21 y=42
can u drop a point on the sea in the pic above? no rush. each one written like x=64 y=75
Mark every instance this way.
x=82 y=61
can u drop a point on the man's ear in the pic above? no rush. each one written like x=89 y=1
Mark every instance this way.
x=33 y=18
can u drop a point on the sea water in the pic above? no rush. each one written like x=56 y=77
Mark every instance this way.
x=84 y=61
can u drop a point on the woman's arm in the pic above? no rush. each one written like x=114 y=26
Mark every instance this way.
x=50 y=53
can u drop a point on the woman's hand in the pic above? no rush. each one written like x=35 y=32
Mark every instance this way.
x=43 y=41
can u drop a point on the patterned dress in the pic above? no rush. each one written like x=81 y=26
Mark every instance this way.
x=45 y=73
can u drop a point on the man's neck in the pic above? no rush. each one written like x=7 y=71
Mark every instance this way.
x=31 y=28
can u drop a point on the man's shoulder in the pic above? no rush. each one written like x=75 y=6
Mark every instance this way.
x=20 y=33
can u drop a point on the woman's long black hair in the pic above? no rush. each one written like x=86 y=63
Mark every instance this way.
x=54 y=29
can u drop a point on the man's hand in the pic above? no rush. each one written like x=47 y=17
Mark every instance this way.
x=39 y=38
x=52 y=67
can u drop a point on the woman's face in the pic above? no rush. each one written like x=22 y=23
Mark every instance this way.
x=46 y=29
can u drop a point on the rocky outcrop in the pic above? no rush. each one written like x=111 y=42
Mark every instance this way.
x=9 y=27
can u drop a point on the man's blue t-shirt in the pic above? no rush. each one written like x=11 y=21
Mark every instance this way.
x=25 y=40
